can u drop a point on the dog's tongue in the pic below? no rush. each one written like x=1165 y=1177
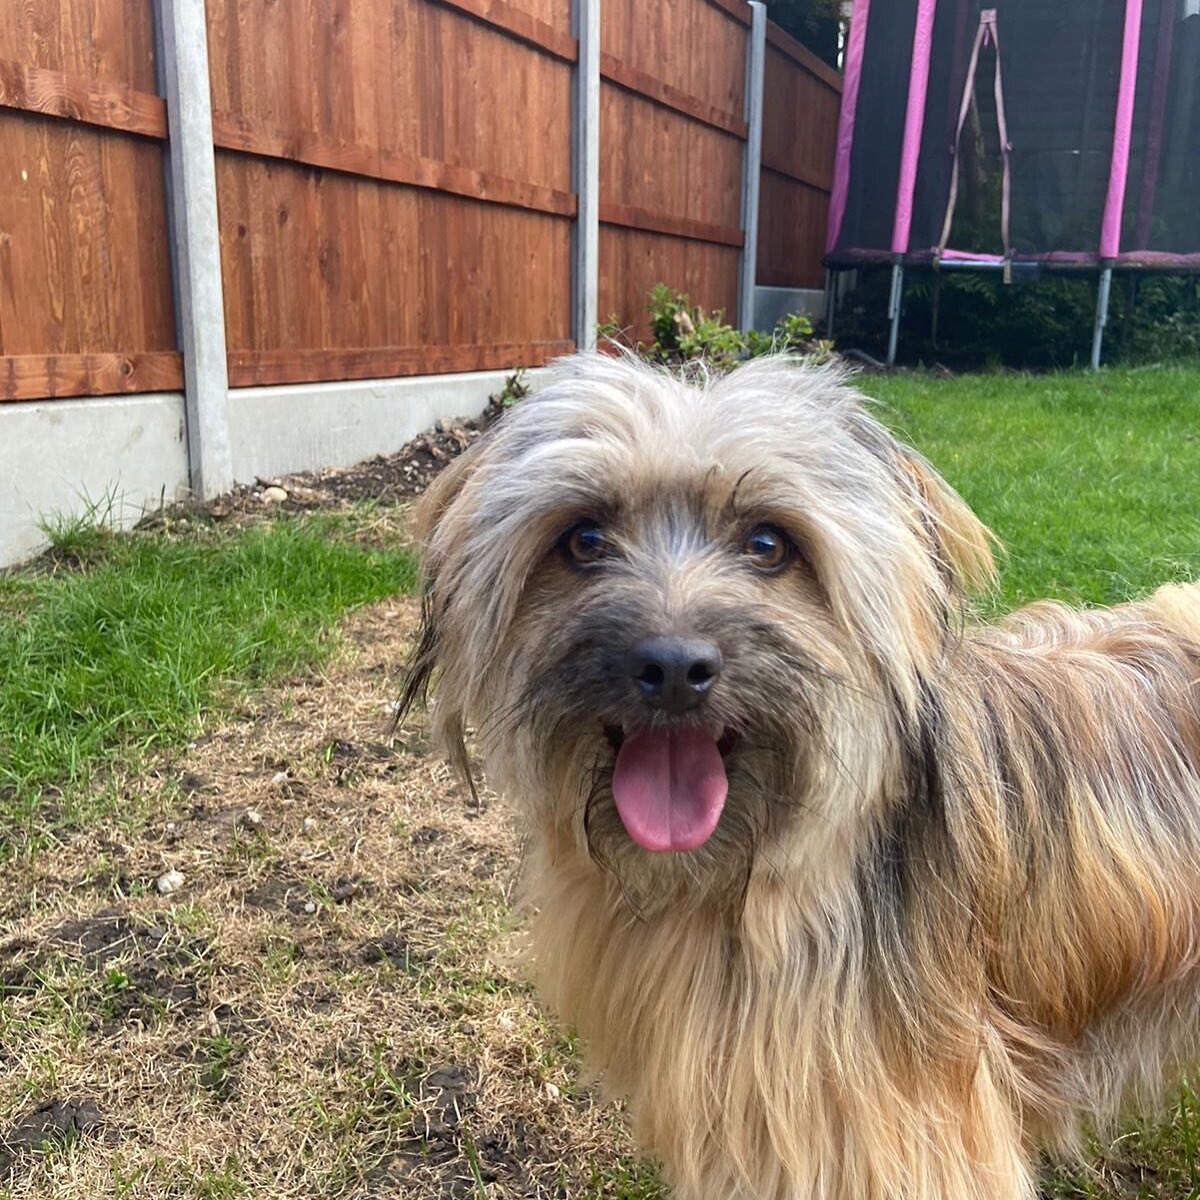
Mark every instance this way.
x=670 y=786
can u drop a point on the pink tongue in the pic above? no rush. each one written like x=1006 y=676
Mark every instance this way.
x=670 y=787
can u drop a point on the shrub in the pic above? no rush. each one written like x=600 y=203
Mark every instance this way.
x=684 y=332
x=971 y=320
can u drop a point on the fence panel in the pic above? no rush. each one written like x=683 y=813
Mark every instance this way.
x=800 y=117
x=394 y=182
x=85 y=282
x=413 y=215
x=672 y=134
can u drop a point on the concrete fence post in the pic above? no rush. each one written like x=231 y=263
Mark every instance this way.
x=585 y=174
x=200 y=310
x=756 y=57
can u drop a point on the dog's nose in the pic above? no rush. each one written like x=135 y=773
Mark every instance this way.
x=674 y=673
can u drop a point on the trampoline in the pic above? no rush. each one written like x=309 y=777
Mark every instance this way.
x=1021 y=137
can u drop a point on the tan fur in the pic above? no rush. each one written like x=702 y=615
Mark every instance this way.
x=952 y=909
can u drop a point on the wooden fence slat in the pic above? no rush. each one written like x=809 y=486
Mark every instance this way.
x=54 y=376
x=631 y=217
x=796 y=175
x=248 y=368
x=55 y=94
x=519 y=25
x=802 y=56
x=642 y=84
x=232 y=133
x=737 y=9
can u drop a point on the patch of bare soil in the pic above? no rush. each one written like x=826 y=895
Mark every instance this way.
x=329 y=1004
x=385 y=479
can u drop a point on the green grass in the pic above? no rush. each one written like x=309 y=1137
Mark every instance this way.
x=121 y=654
x=1090 y=480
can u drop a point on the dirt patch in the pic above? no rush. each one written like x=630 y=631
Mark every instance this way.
x=52 y=1124
x=384 y=479
x=129 y=969
x=330 y=1005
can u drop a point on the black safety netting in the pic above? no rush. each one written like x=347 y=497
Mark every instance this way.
x=878 y=129
x=1059 y=67
x=1161 y=213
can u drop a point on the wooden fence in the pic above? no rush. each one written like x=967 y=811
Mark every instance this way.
x=672 y=131
x=798 y=138
x=394 y=182
x=85 y=275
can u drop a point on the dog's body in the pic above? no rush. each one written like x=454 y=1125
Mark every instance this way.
x=854 y=902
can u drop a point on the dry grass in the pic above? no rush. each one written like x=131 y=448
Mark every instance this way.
x=328 y=1006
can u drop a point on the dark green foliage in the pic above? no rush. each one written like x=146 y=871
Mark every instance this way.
x=967 y=319
x=684 y=332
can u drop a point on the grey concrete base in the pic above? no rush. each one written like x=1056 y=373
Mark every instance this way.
x=771 y=303
x=119 y=454
x=126 y=453
x=299 y=427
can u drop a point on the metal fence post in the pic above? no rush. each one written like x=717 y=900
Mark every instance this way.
x=585 y=174
x=895 y=305
x=200 y=310
x=756 y=55
x=1102 y=294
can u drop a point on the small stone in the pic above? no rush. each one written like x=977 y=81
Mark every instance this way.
x=310 y=907
x=170 y=881
x=552 y=1091
x=252 y=818
x=309 y=825
x=279 y=778
x=274 y=495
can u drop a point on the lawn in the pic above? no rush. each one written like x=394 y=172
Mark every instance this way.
x=328 y=1005
x=115 y=647
x=1092 y=481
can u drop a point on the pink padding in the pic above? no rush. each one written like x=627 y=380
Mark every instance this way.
x=845 y=132
x=914 y=122
x=1110 y=227
x=1160 y=258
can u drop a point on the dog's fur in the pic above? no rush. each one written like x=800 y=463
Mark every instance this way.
x=952 y=907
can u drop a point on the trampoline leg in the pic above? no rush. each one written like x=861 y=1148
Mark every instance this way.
x=894 y=311
x=830 y=293
x=1102 y=293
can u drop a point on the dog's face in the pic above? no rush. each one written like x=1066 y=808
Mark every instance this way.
x=684 y=619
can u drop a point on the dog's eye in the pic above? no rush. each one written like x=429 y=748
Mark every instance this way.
x=584 y=544
x=769 y=547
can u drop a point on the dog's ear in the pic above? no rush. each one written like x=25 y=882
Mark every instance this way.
x=432 y=510
x=443 y=491
x=961 y=543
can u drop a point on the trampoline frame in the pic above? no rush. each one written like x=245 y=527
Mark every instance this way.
x=1107 y=257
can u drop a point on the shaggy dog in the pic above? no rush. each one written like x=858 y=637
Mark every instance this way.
x=854 y=899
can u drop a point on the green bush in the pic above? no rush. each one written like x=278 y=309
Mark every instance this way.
x=684 y=332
